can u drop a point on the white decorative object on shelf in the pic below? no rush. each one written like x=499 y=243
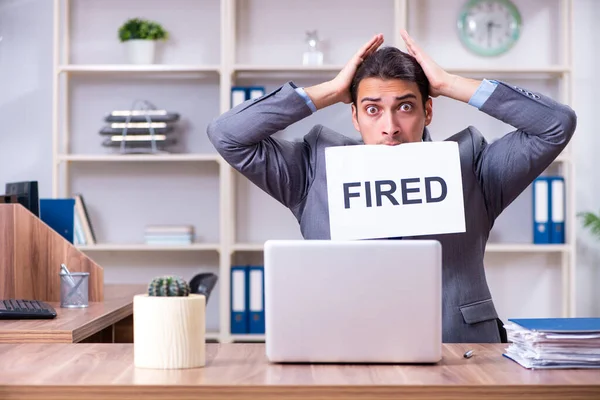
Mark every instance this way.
x=140 y=51
x=140 y=36
x=313 y=56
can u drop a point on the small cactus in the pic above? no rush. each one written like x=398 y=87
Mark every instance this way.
x=168 y=286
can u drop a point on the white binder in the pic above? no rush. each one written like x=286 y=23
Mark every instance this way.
x=238 y=96
x=541 y=211
x=557 y=206
x=239 y=296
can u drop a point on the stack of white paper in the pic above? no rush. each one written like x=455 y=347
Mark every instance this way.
x=554 y=343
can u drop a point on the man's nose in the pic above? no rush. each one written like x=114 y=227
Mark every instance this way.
x=390 y=127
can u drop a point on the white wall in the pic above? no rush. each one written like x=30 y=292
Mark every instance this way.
x=26 y=92
x=25 y=143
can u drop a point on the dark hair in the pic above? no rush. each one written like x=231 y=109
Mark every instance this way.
x=391 y=63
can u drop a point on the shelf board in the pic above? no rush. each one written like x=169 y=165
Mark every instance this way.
x=139 y=157
x=248 y=338
x=285 y=71
x=171 y=158
x=248 y=247
x=563 y=158
x=554 y=70
x=212 y=335
x=491 y=248
x=133 y=68
x=527 y=248
x=287 y=68
x=149 y=247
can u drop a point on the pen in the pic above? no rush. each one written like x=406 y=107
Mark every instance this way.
x=64 y=268
x=468 y=354
x=72 y=283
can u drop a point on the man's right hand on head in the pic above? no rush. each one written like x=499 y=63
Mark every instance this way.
x=338 y=89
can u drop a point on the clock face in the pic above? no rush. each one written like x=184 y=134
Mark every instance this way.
x=489 y=27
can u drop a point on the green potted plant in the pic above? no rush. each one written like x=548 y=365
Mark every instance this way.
x=169 y=326
x=140 y=36
x=591 y=221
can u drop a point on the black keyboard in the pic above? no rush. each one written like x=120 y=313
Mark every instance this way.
x=25 y=309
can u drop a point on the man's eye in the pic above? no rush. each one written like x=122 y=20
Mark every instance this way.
x=371 y=110
x=406 y=107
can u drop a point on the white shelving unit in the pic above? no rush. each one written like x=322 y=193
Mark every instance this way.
x=228 y=73
x=491 y=248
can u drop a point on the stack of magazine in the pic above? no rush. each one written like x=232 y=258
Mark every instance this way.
x=142 y=129
x=169 y=234
x=545 y=343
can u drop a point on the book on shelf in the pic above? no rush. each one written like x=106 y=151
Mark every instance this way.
x=83 y=229
x=59 y=215
x=168 y=240
x=169 y=234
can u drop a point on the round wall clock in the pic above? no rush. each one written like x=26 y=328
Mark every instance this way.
x=489 y=27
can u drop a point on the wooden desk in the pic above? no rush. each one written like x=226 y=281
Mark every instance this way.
x=241 y=371
x=97 y=322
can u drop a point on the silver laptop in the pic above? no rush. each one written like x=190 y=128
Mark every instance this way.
x=368 y=301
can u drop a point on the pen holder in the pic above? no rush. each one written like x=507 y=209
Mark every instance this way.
x=74 y=292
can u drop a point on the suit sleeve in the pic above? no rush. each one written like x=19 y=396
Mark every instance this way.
x=543 y=128
x=243 y=137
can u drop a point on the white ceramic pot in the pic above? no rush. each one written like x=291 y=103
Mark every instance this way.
x=169 y=332
x=140 y=51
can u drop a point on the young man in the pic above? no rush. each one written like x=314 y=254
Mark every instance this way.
x=390 y=93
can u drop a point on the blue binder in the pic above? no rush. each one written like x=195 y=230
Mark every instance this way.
x=257 y=299
x=239 y=299
x=557 y=209
x=541 y=210
x=560 y=325
x=59 y=214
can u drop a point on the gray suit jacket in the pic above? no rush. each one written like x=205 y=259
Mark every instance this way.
x=493 y=175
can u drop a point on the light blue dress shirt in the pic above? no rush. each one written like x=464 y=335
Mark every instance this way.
x=483 y=92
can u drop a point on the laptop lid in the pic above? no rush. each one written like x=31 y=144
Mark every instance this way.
x=353 y=301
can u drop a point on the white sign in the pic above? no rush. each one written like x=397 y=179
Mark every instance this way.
x=378 y=191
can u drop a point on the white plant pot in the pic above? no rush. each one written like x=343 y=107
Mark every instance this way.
x=140 y=51
x=169 y=332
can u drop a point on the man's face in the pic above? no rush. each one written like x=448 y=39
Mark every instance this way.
x=390 y=111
